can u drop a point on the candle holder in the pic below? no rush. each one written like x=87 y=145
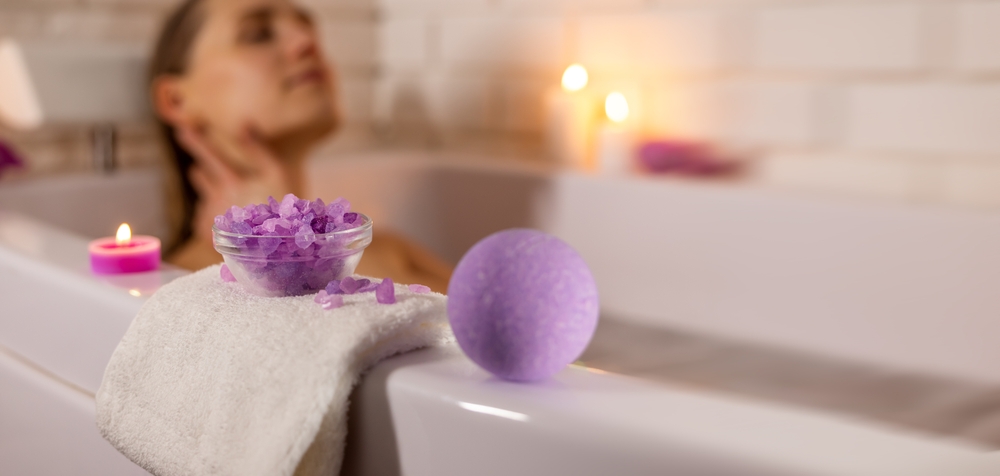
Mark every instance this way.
x=124 y=253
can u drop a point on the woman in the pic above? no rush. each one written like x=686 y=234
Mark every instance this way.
x=243 y=94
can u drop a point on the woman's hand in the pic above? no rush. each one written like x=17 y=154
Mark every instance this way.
x=220 y=186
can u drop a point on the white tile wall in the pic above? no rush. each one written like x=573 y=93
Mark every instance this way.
x=973 y=184
x=675 y=42
x=403 y=43
x=692 y=110
x=946 y=118
x=495 y=41
x=978 y=32
x=773 y=113
x=888 y=98
x=870 y=37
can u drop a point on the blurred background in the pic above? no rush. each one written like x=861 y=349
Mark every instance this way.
x=832 y=245
x=888 y=100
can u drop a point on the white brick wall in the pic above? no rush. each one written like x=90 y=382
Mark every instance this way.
x=403 y=43
x=949 y=119
x=853 y=37
x=978 y=32
x=678 y=42
x=897 y=99
x=773 y=113
x=491 y=41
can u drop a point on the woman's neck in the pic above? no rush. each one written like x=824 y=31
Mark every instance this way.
x=294 y=152
x=295 y=171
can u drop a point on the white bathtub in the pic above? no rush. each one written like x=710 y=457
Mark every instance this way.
x=900 y=287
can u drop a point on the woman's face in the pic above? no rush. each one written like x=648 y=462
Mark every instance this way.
x=258 y=63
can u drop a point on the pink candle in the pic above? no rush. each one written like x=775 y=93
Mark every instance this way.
x=124 y=253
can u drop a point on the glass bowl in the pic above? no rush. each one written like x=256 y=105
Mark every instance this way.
x=276 y=266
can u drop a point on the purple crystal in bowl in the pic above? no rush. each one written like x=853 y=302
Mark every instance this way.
x=293 y=247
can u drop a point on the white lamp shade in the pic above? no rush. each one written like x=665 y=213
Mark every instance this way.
x=47 y=83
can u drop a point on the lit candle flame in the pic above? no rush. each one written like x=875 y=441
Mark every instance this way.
x=616 y=107
x=575 y=78
x=124 y=235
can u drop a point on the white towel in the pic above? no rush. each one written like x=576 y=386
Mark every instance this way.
x=210 y=380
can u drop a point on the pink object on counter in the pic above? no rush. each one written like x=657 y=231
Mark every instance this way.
x=685 y=158
x=8 y=158
x=141 y=254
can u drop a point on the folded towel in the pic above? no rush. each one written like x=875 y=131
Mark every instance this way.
x=211 y=380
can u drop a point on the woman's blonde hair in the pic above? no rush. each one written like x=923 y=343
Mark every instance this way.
x=170 y=57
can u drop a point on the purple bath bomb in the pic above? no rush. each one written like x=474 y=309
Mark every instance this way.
x=522 y=304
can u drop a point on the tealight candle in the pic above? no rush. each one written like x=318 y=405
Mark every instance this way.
x=616 y=139
x=124 y=253
x=570 y=116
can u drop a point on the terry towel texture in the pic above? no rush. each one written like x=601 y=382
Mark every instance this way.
x=210 y=380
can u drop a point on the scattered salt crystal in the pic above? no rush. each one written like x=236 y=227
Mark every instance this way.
x=363 y=283
x=419 y=288
x=321 y=297
x=333 y=302
x=349 y=285
x=334 y=287
x=367 y=288
x=328 y=301
x=385 y=292
x=227 y=275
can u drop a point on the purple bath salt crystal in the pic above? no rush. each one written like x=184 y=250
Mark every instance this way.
x=385 y=292
x=287 y=206
x=304 y=237
x=328 y=301
x=287 y=247
x=334 y=287
x=367 y=288
x=227 y=275
x=271 y=224
x=268 y=245
x=334 y=210
x=317 y=207
x=239 y=214
x=222 y=222
x=333 y=302
x=321 y=296
x=242 y=228
x=349 y=285
x=362 y=284
x=419 y=288
x=338 y=207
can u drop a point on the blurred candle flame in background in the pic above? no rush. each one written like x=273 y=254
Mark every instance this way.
x=616 y=107
x=575 y=78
